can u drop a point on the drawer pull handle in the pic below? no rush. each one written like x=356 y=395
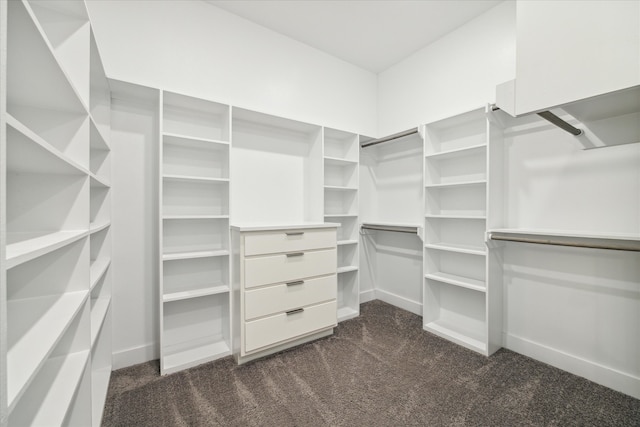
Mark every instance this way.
x=297 y=310
x=295 y=254
x=297 y=282
x=294 y=233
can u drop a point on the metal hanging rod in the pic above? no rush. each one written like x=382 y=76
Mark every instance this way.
x=560 y=241
x=552 y=118
x=555 y=120
x=389 y=138
x=394 y=228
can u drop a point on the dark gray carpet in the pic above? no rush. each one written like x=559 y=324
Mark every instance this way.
x=380 y=369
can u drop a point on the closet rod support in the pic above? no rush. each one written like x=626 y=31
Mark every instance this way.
x=389 y=138
x=552 y=118
x=555 y=120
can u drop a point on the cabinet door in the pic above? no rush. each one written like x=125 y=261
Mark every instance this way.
x=570 y=50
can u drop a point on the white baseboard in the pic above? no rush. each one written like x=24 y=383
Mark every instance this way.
x=400 y=302
x=133 y=356
x=608 y=377
x=366 y=296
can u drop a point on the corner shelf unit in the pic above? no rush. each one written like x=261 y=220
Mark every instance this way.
x=194 y=231
x=55 y=252
x=341 y=170
x=456 y=302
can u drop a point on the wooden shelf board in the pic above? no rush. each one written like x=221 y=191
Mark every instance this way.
x=192 y=178
x=337 y=161
x=98 y=315
x=23 y=247
x=64 y=373
x=463 y=249
x=346 y=313
x=338 y=188
x=42 y=156
x=195 y=293
x=479 y=217
x=97 y=269
x=29 y=351
x=185 y=356
x=463 y=282
x=193 y=254
x=347 y=269
x=94 y=228
x=480 y=182
x=347 y=242
x=187 y=138
x=453 y=333
x=178 y=217
x=457 y=152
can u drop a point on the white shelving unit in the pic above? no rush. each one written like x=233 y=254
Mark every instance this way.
x=341 y=172
x=456 y=297
x=55 y=200
x=194 y=231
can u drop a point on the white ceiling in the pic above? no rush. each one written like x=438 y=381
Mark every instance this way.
x=372 y=34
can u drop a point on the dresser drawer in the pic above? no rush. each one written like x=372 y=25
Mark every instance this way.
x=282 y=327
x=270 y=269
x=287 y=296
x=288 y=241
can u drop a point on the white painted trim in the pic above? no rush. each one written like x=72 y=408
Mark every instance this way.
x=414 y=307
x=366 y=296
x=608 y=377
x=134 y=356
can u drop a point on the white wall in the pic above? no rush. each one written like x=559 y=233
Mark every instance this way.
x=195 y=48
x=457 y=73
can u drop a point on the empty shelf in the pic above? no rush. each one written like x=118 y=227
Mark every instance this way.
x=480 y=182
x=452 y=279
x=347 y=269
x=23 y=247
x=186 y=355
x=30 y=350
x=175 y=139
x=466 y=338
x=97 y=270
x=194 y=178
x=463 y=249
x=458 y=152
x=195 y=293
x=347 y=242
x=346 y=313
x=193 y=254
x=336 y=161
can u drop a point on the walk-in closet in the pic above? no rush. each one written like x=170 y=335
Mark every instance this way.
x=319 y=213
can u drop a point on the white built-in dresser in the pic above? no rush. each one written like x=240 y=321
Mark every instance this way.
x=284 y=286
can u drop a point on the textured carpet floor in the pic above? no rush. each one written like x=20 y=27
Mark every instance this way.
x=380 y=369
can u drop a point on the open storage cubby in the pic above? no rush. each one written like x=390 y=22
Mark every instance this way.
x=183 y=198
x=456 y=313
x=194 y=331
x=276 y=170
x=456 y=170
x=341 y=175
x=193 y=277
x=194 y=230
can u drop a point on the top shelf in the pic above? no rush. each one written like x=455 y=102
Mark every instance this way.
x=195 y=118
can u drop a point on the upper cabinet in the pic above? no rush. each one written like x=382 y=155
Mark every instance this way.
x=571 y=50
